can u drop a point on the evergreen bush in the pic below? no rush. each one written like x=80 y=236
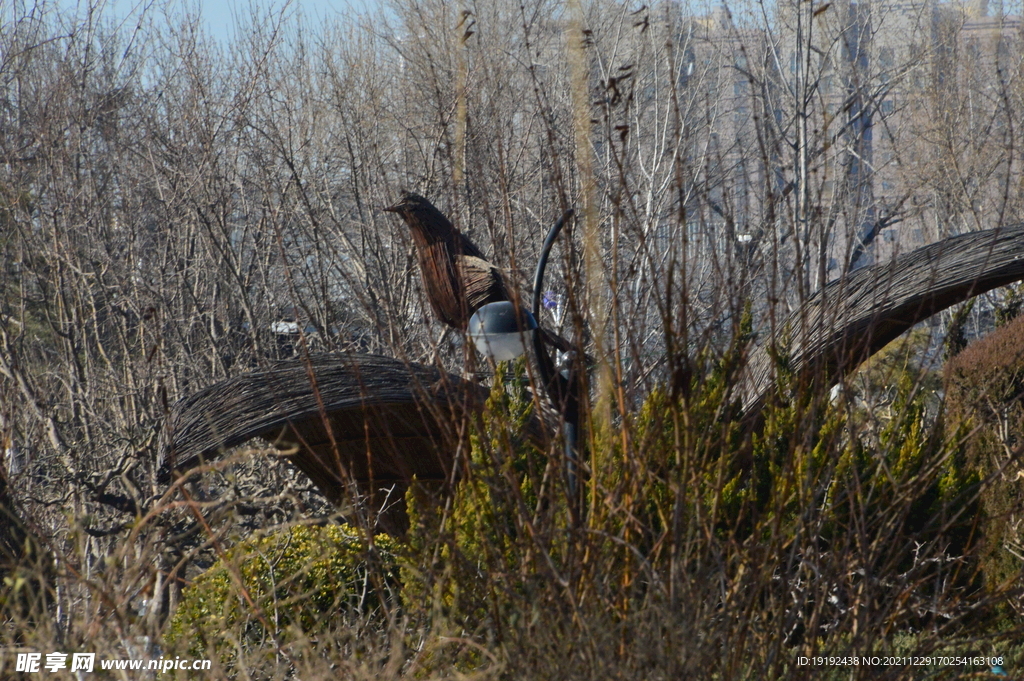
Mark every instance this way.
x=271 y=591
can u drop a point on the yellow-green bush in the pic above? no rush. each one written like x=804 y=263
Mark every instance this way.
x=275 y=589
x=470 y=564
x=835 y=528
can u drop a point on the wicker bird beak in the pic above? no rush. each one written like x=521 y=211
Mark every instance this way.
x=404 y=204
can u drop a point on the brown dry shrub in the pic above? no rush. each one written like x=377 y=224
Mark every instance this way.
x=984 y=387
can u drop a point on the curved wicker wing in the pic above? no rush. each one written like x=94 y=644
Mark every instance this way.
x=850 y=319
x=353 y=418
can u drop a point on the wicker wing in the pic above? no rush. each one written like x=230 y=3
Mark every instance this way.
x=852 y=318
x=484 y=283
x=349 y=418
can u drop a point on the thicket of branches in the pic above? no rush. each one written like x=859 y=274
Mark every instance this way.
x=167 y=201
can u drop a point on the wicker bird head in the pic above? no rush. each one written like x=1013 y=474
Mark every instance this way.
x=456 y=277
x=420 y=214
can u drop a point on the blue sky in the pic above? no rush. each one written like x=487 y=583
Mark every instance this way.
x=220 y=15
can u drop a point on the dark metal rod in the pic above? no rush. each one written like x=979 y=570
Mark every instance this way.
x=542 y=263
x=559 y=389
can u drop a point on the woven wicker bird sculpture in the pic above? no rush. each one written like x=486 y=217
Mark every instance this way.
x=348 y=421
x=372 y=422
x=457 y=278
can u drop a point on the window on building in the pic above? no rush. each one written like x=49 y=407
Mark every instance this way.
x=886 y=61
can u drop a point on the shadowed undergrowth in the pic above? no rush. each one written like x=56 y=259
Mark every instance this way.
x=841 y=529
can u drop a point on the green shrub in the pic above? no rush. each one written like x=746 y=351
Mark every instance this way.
x=473 y=563
x=837 y=527
x=272 y=590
